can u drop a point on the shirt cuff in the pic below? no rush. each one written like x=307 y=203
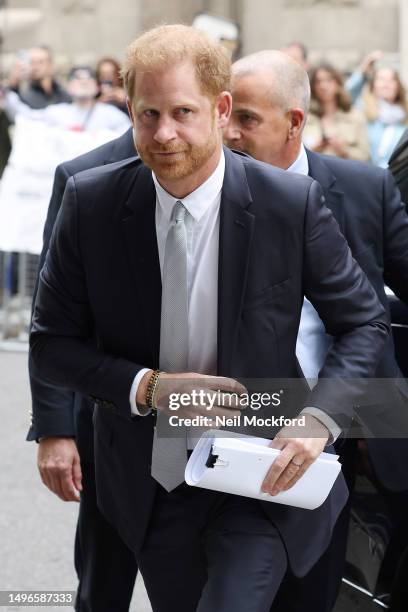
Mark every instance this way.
x=326 y=420
x=133 y=391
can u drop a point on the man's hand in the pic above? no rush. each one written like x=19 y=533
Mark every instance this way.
x=17 y=74
x=300 y=447
x=60 y=468
x=200 y=389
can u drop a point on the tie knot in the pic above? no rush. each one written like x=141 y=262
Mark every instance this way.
x=179 y=212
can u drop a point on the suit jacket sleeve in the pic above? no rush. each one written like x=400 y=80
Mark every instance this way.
x=52 y=407
x=62 y=323
x=349 y=308
x=395 y=239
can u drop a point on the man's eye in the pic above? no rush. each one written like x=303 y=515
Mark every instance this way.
x=245 y=118
x=183 y=112
x=149 y=112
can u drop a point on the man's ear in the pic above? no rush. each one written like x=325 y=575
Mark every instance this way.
x=130 y=111
x=296 y=118
x=223 y=107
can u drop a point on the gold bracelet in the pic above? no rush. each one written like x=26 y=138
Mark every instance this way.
x=151 y=388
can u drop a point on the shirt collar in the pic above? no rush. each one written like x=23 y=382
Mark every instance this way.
x=199 y=201
x=301 y=163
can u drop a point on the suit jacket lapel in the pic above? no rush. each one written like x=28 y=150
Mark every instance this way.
x=139 y=232
x=334 y=197
x=236 y=231
x=122 y=148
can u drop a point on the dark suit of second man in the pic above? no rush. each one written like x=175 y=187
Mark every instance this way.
x=267 y=122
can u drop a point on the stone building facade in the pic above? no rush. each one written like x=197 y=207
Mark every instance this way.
x=340 y=31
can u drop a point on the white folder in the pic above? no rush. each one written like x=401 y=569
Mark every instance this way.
x=239 y=464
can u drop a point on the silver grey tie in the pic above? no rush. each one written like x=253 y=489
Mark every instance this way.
x=169 y=454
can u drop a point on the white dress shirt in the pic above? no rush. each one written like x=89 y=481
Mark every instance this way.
x=202 y=225
x=312 y=343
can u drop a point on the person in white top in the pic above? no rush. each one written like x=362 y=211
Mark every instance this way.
x=84 y=113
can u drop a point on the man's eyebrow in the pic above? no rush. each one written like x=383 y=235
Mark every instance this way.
x=142 y=105
x=187 y=103
x=245 y=111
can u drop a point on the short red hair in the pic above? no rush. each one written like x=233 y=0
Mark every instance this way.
x=167 y=45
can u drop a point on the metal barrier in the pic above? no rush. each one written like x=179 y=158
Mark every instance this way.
x=18 y=273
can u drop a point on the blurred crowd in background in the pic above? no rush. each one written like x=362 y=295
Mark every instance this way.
x=88 y=98
x=48 y=116
x=357 y=116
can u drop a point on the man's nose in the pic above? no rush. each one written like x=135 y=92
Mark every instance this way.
x=165 y=130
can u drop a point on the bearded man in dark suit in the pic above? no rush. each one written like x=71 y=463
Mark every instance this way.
x=142 y=254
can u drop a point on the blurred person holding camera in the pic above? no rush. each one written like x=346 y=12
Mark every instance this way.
x=333 y=127
x=110 y=83
x=361 y=75
x=376 y=89
x=84 y=113
x=32 y=78
x=385 y=105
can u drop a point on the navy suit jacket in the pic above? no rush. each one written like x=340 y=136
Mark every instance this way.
x=57 y=411
x=277 y=242
x=367 y=205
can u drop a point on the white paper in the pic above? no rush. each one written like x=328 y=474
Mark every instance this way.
x=243 y=462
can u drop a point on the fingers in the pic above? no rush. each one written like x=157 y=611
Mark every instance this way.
x=225 y=401
x=192 y=395
x=311 y=430
x=69 y=491
x=289 y=484
x=226 y=385
x=77 y=474
x=220 y=412
x=296 y=456
x=208 y=412
x=59 y=467
x=281 y=471
x=278 y=443
x=59 y=479
x=291 y=474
